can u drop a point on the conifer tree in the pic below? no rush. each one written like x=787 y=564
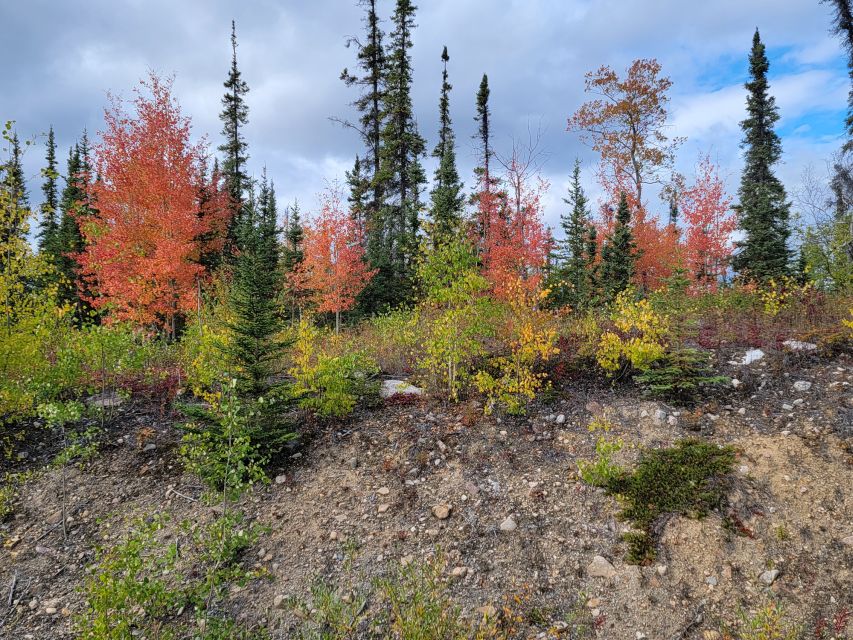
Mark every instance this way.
x=394 y=232
x=358 y=181
x=14 y=180
x=292 y=257
x=371 y=62
x=763 y=209
x=618 y=256
x=575 y=266
x=68 y=240
x=49 y=225
x=592 y=276
x=484 y=133
x=235 y=116
x=447 y=198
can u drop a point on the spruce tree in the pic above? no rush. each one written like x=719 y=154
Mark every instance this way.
x=575 y=264
x=618 y=255
x=359 y=193
x=592 y=268
x=484 y=133
x=394 y=233
x=447 y=198
x=293 y=254
x=371 y=62
x=14 y=181
x=235 y=116
x=763 y=209
x=49 y=225
x=68 y=240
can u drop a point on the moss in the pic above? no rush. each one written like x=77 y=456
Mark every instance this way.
x=688 y=479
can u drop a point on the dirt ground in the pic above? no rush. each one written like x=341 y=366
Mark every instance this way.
x=366 y=495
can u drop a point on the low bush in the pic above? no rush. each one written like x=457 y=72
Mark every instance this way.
x=679 y=375
x=639 y=336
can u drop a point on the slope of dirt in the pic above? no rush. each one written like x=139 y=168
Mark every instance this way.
x=368 y=495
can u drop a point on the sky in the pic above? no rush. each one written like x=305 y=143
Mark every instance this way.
x=61 y=57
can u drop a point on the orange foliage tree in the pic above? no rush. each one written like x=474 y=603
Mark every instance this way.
x=709 y=221
x=625 y=124
x=516 y=244
x=142 y=246
x=334 y=270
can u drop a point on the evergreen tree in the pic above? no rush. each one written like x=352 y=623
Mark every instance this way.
x=618 y=255
x=484 y=133
x=235 y=116
x=763 y=209
x=293 y=254
x=13 y=198
x=394 y=233
x=14 y=181
x=50 y=205
x=359 y=192
x=592 y=280
x=447 y=198
x=371 y=61
x=69 y=240
x=575 y=264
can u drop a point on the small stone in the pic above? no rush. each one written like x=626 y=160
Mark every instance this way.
x=280 y=479
x=769 y=577
x=441 y=511
x=561 y=419
x=459 y=572
x=847 y=541
x=742 y=411
x=711 y=581
x=661 y=569
x=508 y=525
x=592 y=603
x=787 y=407
x=659 y=416
x=487 y=611
x=384 y=491
x=353 y=463
x=736 y=383
x=600 y=567
x=33 y=605
x=407 y=560
x=333 y=535
x=382 y=508
x=640 y=635
x=672 y=421
x=802 y=386
x=149 y=447
x=279 y=602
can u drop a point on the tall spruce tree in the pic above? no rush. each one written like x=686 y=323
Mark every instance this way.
x=574 y=270
x=292 y=256
x=49 y=225
x=484 y=133
x=358 y=182
x=447 y=198
x=763 y=209
x=843 y=26
x=68 y=240
x=618 y=256
x=235 y=116
x=402 y=147
x=14 y=181
x=371 y=62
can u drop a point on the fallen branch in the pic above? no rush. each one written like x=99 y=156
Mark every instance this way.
x=12 y=589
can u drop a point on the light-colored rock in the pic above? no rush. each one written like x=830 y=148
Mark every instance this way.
x=382 y=508
x=736 y=383
x=802 y=386
x=769 y=577
x=659 y=416
x=487 y=611
x=600 y=567
x=847 y=541
x=441 y=511
x=508 y=525
x=398 y=387
x=751 y=356
x=796 y=345
x=383 y=491
x=561 y=419
x=662 y=569
x=279 y=602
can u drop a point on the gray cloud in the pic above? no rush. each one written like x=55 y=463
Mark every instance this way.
x=61 y=57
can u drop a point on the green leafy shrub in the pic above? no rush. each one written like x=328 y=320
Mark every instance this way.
x=601 y=471
x=688 y=479
x=330 y=385
x=679 y=375
x=767 y=623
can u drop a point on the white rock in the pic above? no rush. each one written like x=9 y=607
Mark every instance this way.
x=398 y=387
x=752 y=355
x=802 y=385
x=796 y=345
x=659 y=416
x=736 y=383
x=508 y=525
x=600 y=567
x=561 y=419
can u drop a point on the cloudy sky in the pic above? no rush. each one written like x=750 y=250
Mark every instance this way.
x=60 y=57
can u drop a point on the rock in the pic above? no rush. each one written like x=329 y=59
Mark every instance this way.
x=561 y=419
x=796 y=345
x=280 y=479
x=407 y=560
x=441 y=511
x=382 y=508
x=847 y=541
x=672 y=421
x=106 y=400
x=787 y=407
x=711 y=581
x=736 y=383
x=459 y=572
x=149 y=447
x=802 y=386
x=508 y=525
x=659 y=416
x=333 y=535
x=751 y=356
x=384 y=491
x=593 y=603
x=600 y=567
x=769 y=577
x=279 y=602
x=398 y=387
x=711 y=634
x=639 y=635
x=353 y=463
x=662 y=569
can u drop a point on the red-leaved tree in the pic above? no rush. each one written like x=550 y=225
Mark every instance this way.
x=709 y=221
x=515 y=245
x=334 y=270
x=142 y=246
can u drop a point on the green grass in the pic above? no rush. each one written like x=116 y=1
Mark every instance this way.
x=690 y=478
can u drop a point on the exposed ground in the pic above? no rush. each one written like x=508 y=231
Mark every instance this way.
x=365 y=495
